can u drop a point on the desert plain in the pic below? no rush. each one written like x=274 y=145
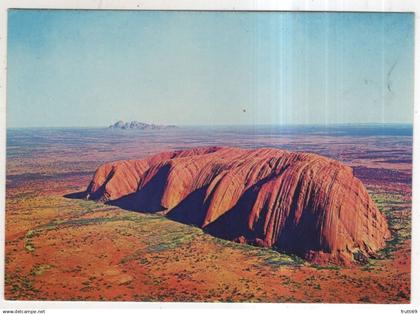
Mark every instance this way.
x=60 y=246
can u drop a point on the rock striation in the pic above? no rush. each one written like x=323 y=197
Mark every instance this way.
x=294 y=202
x=139 y=125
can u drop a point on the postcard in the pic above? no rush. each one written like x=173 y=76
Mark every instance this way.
x=209 y=156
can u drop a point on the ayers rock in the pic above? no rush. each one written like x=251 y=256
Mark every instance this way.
x=298 y=203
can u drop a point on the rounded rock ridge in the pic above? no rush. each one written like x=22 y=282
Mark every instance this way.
x=294 y=202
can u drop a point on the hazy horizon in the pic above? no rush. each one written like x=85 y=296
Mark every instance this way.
x=69 y=68
x=331 y=125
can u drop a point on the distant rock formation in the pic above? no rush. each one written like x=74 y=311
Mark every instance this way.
x=298 y=203
x=139 y=125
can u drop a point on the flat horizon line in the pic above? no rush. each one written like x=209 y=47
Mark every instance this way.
x=230 y=125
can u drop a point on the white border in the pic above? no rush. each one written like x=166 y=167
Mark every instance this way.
x=212 y=5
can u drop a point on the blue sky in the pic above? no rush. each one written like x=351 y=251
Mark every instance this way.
x=91 y=68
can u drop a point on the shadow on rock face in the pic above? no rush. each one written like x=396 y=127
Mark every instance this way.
x=189 y=211
x=133 y=202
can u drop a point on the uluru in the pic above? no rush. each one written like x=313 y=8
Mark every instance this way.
x=294 y=202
